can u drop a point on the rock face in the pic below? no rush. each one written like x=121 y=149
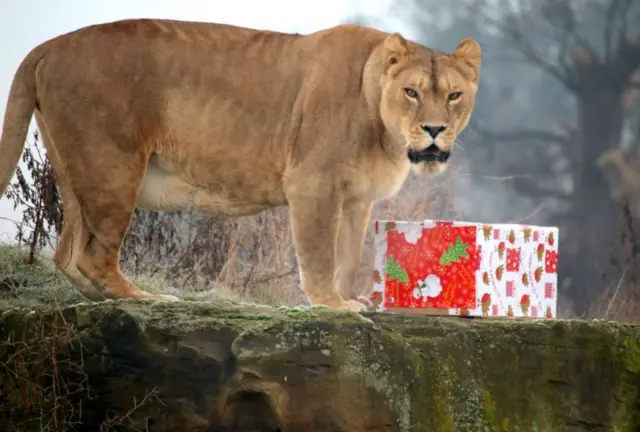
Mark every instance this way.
x=187 y=366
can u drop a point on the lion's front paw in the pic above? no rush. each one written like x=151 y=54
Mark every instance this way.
x=167 y=297
x=367 y=301
x=355 y=306
x=160 y=297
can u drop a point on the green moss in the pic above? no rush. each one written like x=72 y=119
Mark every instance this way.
x=490 y=410
x=432 y=374
x=383 y=362
x=442 y=412
x=82 y=317
x=628 y=416
x=632 y=355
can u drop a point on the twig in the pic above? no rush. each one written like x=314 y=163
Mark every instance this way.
x=529 y=215
x=615 y=293
x=119 y=420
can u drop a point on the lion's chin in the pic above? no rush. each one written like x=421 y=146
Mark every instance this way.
x=429 y=160
x=429 y=167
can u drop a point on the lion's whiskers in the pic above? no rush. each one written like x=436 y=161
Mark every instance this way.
x=459 y=144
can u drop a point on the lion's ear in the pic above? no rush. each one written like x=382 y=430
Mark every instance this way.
x=468 y=51
x=396 y=47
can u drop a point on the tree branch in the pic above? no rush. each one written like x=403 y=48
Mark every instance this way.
x=608 y=28
x=564 y=12
x=563 y=75
x=627 y=59
x=518 y=40
x=622 y=18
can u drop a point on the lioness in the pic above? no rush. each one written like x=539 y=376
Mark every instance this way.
x=169 y=115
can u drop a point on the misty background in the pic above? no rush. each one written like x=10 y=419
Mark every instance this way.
x=553 y=140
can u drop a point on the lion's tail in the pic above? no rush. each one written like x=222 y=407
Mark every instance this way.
x=17 y=117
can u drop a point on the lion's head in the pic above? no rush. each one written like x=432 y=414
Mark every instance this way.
x=426 y=98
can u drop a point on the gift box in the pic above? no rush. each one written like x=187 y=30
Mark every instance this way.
x=465 y=269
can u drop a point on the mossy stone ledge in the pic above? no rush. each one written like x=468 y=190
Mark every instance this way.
x=191 y=366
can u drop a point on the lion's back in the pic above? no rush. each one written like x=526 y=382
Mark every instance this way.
x=169 y=82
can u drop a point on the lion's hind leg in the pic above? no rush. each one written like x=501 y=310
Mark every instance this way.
x=107 y=204
x=68 y=248
x=99 y=194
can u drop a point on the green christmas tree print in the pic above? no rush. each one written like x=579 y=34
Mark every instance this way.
x=395 y=271
x=456 y=250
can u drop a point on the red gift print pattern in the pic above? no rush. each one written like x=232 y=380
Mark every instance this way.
x=551 y=261
x=462 y=268
x=548 y=313
x=510 y=288
x=549 y=292
x=551 y=240
x=485 y=302
x=513 y=259
x=437 y=271
x=524 y=304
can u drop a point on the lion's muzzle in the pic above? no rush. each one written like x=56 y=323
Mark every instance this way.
x=429 y=154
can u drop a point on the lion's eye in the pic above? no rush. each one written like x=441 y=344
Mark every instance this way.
x=411 y=93
x=455 y=96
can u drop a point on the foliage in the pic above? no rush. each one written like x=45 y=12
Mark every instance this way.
x=36 y=191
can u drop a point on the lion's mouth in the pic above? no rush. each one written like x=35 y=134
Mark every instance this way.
x=430 y=154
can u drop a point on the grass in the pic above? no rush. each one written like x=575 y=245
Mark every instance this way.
x=42 y=285
x=42 y=381
x=32 y=285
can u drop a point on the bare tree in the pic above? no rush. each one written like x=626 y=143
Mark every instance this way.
x=592 y=48
x=35 y=190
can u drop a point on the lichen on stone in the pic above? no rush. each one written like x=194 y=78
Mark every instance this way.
x=430 y=373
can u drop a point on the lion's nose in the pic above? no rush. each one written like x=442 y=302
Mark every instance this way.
x=432 y=130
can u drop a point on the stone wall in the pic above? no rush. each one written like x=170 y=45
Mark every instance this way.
x=190 y=366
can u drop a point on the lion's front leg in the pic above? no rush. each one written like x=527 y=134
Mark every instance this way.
x=353 y=228
x=315 y=223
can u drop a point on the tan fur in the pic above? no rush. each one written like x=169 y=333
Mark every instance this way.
x=169 y=115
